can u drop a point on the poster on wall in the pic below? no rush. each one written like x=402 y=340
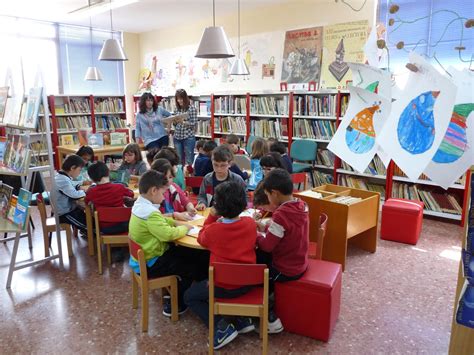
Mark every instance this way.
x=302 y=57
x=342 y=43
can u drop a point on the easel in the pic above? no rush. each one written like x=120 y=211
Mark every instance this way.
x=26 y=180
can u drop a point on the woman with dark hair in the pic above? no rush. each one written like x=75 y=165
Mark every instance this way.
x=150 y=127
x=184 y=134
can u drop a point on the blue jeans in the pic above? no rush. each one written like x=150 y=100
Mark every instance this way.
x=185 y=148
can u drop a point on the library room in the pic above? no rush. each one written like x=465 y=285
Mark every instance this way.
x=303 y=166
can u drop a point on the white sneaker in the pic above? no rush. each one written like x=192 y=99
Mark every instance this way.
x=275 y=326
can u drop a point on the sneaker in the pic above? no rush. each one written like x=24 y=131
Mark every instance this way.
x=244 y=325
x=224 y=336
x=274 y=323
x=167 y=309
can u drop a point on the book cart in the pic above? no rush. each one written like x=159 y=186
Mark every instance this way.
x=26 y=176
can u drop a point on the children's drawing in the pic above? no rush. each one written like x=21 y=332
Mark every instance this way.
x=416 y=126
x=456 y=151
x=355 y=140
x=371 y=79
x=419 y=118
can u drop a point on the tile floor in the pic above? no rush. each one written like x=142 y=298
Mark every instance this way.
x=399 y=299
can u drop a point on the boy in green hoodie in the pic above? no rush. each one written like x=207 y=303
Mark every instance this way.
x=149 y=228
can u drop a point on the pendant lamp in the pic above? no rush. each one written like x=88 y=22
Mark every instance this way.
x=92 y=73
x=112 y=49
x=239 y=67
x=214 y=42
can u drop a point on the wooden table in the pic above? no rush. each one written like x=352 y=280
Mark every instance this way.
x=190 y=241
x=64 y=150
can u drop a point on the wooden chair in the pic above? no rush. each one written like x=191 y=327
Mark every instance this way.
x=315 y=250
x=191 y=183
x=300 y=178
x=49 y=227
x=110 y=215
x=170 y=283
x=252 y=304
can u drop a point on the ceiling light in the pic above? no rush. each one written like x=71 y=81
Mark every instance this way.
x=239 y=67
x=112 y=50
x=92 y=73
x=99 y=7
x=214 y=42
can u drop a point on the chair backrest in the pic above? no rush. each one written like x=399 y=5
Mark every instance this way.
x=242 y=161
x=248 y=147
x=303 y=150
x=298 y=178
x=193 y=181
x=323 y=222
x=113 y=214
x=42 y=210
x=238 y=274
x=137 y=253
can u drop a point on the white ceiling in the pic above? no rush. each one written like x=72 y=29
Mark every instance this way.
x=146 y=15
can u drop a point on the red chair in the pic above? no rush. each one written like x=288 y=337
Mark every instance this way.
x=300 y=178
x=193 y=182
x=141 y=280
x=252 y=304
x=315 y=250
x=110 y=215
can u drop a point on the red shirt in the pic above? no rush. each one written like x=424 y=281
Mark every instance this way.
x=107 y=195
x=287 y=238
x=229 y=242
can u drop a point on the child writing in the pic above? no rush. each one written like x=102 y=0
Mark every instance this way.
x=132 y=160
x=259 y=149
x=286 y=238
x=230 y=239
x=67 y=192
x=175 y=203
x=221 y=160
x=149 y=228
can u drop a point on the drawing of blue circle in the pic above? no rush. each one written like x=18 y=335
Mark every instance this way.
x=358 y=142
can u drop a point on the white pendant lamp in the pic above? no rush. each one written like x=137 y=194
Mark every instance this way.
x=239 y=67
x=112 y=49
x=214 y=42
x=92 y=73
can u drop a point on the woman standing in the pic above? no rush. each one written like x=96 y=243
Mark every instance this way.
x=184 y=135
x=150 y=127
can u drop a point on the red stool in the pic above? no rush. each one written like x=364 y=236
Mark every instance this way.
x=401 y=220
x=310 y=306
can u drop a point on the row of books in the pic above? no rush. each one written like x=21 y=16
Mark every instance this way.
x=310 y=105
x=108 y=104
x=277 y=128
x=325 y=157
x=359 y=183
x=73 y=122
x=110 y=122
x=72 y=106
x=321 y=178
x=375 y=167
x=14 y=208
x=344 y=104
x=169 y=104
x=269 y=105
x=15 y=153
x=230 y=125
x=230 y=104
x=398 y=172
x=204 y=108
x=434 y=200
x=314 y=129
x=203 y=128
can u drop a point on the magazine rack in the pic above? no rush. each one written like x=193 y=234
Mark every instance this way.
x=25 y=176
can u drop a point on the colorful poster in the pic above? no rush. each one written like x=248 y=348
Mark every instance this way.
x=419 y=118
x=302 y=56
x=456 y=153
x=342 y=43
x=355 y=138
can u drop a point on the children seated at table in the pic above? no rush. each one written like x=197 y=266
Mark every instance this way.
x=233 y=141
x=261 y=204
x=284 y=248
x=132 y=160
x=259 y=149
x=172 y=156
x=271 y=161
x=149 y=228
x=203 y=163
x=221 y=160
x=175 y=203
x=230 y=239
x=67 y=192
x=87 y=154
x=280 y=147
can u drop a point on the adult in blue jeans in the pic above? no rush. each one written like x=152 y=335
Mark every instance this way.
x=184 y=134
x=150 y=127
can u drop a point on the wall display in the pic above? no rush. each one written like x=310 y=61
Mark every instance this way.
x=419 y=119
x=302 y=56
x=342 y=43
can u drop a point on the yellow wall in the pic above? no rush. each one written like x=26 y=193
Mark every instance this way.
x=132 y=67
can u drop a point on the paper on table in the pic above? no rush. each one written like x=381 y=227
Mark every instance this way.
x=197 y=217
x=193 y=232
x=248 y=212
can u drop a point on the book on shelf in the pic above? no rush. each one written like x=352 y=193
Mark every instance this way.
x=30 y=117
x=267 y=128
x=11 y=209
x=21 y=209
x=68 y=123
x=205 y=108
x=67 y=139
x=3 y=100
x=3 y=144
x=321 y=178
x=375 y=167
x=17 y=154
x=95 y=140
x=82 y=135
x=108 y=105
x=230 y=105
x=315 y=105
x=269 y=105
x=78 y=105
x=6 y=192
x=234 y=124
x=362 y=184
x=118 y=138
x=325 y=157
x=314 y=129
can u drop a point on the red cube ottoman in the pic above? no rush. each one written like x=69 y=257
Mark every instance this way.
x=310 y=306
x=401 y=220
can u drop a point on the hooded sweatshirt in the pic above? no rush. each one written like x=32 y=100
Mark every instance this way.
x=287 y=238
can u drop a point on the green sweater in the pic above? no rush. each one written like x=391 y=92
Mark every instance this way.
x=149 y=228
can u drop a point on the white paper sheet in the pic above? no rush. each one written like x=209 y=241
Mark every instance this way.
x=367 y=77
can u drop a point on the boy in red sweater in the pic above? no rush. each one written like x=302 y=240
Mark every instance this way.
x=286 y=237
x=230 y=239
